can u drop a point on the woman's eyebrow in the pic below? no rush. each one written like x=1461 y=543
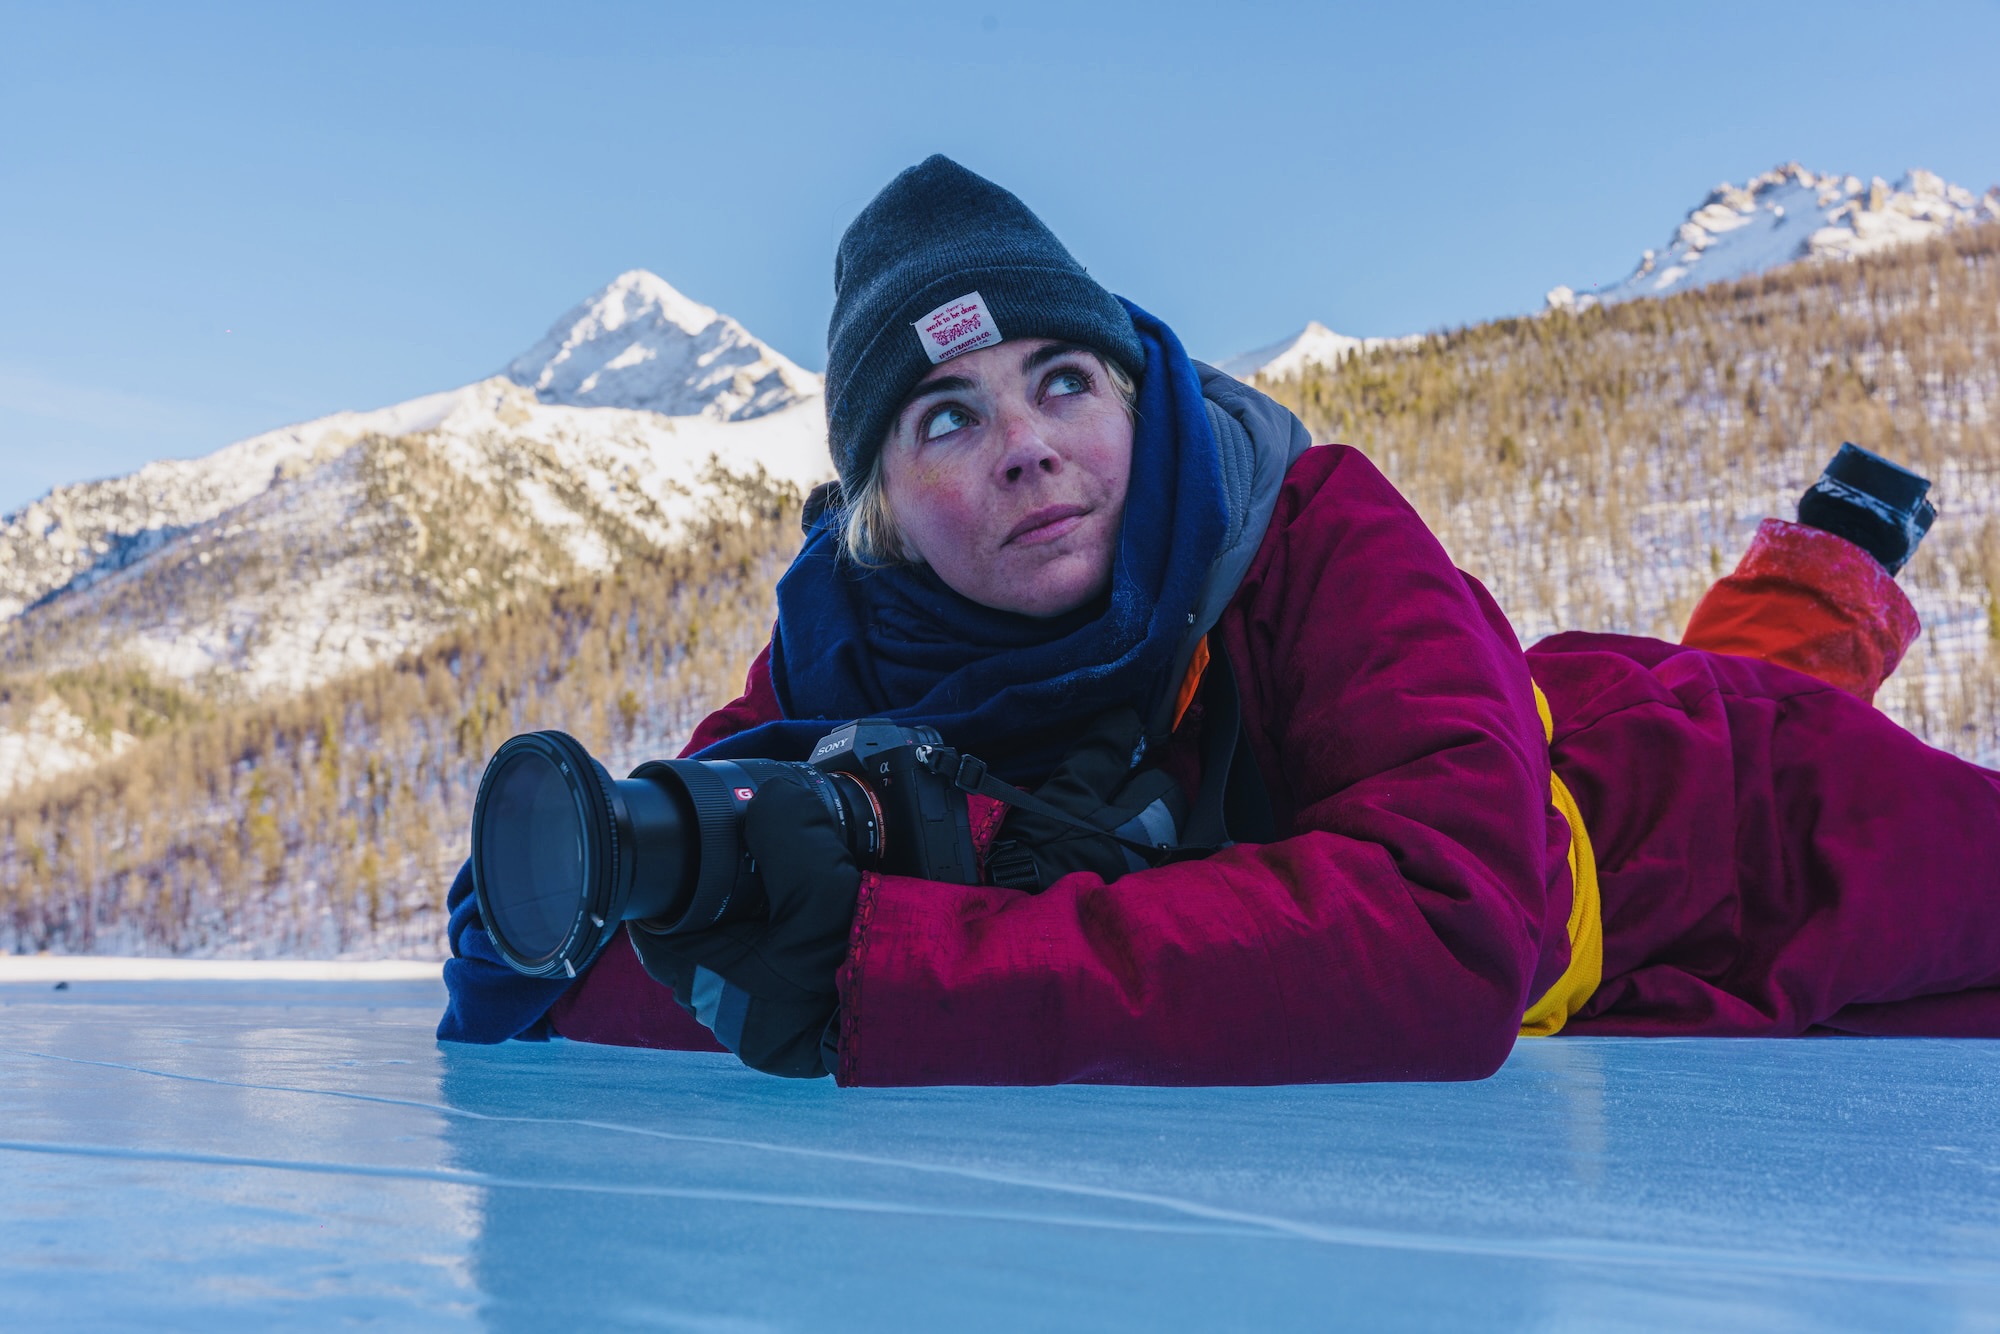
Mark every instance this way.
x=1042 y=356
x=944 y=384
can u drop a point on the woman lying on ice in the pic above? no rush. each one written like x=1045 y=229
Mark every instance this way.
x=1087 y=559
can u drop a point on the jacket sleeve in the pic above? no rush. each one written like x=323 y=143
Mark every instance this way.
x=1395 y=934
x=1811 y=601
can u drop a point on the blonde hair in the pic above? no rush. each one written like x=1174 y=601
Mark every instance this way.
x=868 y=531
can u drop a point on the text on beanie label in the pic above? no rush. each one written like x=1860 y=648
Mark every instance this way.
x=959 y=325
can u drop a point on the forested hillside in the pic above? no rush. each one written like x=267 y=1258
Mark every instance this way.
x=331 y=822
x=1596 y=468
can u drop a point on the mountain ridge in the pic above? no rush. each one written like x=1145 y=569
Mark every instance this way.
x=635 y=330
x=1778 y=217
x=1790 y=214
x=280 y=561
x=1314 y=345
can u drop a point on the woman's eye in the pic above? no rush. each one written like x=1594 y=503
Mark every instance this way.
x=943 y=422
x=1067 y=382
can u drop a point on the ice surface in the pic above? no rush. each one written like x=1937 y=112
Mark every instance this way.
x=222 y=1155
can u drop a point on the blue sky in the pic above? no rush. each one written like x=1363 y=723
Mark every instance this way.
x=218 y=219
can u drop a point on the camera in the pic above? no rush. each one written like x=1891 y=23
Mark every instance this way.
x=563 y=854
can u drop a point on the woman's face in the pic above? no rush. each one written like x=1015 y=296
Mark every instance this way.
x=1005 y=472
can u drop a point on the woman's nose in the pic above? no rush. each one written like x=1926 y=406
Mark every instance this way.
x=1023 y=451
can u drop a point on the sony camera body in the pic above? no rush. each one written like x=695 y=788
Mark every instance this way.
x=924 y=822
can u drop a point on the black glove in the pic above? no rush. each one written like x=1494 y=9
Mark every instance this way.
x=1875 y=504
x=1095 y=783
x=765 y=986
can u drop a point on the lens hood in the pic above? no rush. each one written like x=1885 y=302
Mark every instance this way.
x=718 y=791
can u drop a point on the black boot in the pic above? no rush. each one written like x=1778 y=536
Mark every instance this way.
x=1871 y=502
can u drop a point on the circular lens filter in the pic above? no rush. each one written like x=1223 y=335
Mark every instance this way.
x=544 y=853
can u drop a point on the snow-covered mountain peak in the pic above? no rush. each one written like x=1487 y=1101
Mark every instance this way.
x=638 y=293
x=1314 y=345
x=1790 y=213
x=641 y=343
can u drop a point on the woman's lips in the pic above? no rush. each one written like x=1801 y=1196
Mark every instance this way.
x=1046 y=524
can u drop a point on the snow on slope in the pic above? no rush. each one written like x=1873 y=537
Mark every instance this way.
x=44 y=737
x=641 y=344
x=364 y=547
x=78 y=534
x=1313 y=345
x=303 y=553
x=1788 y=214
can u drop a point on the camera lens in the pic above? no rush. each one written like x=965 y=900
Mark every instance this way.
x=562 y=854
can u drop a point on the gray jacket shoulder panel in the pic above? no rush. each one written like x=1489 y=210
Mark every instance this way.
x=1257 y=442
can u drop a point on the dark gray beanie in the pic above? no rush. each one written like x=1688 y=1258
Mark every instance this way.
x=942 y=262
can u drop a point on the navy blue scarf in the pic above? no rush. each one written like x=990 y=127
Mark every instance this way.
x=897 y=643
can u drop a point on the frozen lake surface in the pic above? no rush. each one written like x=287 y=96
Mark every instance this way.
x=251 y=1154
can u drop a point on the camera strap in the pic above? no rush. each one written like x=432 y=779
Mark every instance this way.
x=1231 y=798
x=968 y=773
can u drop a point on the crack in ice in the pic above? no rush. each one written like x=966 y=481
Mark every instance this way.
x=449 y=1177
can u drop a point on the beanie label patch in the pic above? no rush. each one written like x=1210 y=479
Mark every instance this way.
x=957 y=327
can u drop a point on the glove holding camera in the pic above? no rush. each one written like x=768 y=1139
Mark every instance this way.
x=764 y=984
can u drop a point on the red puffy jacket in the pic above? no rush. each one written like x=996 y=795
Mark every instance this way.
x=1772 y=854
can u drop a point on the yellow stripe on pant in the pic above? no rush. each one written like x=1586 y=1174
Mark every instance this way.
x=1586 y=913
